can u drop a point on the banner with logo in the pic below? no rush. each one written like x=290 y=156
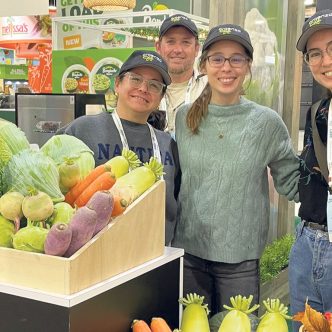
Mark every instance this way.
x=14 y=72
x=87 y=71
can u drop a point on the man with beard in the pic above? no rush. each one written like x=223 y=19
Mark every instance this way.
x=178 y=45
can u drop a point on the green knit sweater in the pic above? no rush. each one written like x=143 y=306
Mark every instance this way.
x=223 y=213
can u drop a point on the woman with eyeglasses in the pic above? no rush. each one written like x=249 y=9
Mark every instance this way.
x=226 y=143
x=310 y=265
x=140 y=86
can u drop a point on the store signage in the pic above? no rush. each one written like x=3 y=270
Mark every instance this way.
x=19 y=28
x=24 y=7
x=14 y=71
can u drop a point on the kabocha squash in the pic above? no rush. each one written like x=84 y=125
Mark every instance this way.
x=237 y=319
x=195 y=314
x=274 y=319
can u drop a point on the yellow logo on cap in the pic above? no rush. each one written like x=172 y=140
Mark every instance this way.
x=225 y=31
x=315 y=21
x=147 y=57
x=176 y=18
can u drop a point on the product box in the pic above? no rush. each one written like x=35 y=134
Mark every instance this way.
x=131 y=239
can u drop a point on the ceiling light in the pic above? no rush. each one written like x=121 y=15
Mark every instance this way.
x=107 y=5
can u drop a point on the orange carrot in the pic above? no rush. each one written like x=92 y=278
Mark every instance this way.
x=140 y=326
x=77 y=190
x=120 y=205
x=158 y=324
x=104 y=181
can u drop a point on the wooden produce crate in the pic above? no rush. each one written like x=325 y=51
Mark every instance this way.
x=131 y=239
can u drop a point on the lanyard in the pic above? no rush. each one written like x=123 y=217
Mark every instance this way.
x=329 y=166
x=165 y=101
x=155 y=145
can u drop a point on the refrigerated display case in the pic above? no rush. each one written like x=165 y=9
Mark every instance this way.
x=41 y=115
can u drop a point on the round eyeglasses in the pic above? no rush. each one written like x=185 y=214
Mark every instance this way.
x=235 y=61
x=315 y=56
x=137 y=81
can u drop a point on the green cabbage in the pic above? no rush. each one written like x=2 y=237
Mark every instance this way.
x=31 y=169
x=62 y=147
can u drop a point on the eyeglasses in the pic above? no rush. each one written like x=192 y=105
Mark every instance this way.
x=315 y=56
x=235 y=61
x=136 y=81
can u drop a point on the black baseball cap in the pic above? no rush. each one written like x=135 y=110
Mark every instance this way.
x=178 y=20
x=319 y=21
x=147 y=58
x=229 y=32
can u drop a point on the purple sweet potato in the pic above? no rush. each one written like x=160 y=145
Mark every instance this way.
x=83 y=224
x=58 y=239
x=102 y=202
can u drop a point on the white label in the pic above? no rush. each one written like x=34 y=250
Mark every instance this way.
x=329 y=215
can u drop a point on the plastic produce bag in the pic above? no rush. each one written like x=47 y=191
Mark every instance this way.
x=62 y=147
x=32 y=169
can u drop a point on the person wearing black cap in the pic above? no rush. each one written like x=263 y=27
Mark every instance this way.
x=178 y=45
x=141 y=83
x=226 y=143
x=310 y=265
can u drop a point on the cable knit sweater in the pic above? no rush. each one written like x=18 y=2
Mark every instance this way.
x=223 y=213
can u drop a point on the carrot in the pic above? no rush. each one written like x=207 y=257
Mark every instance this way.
x=104 y=181
x=158 y=324
x=120 y=205
x=77 y=190
x=140 y=326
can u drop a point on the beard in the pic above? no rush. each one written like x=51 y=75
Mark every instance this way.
x=176 y=70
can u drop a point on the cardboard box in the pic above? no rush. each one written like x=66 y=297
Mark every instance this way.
x=129 y=240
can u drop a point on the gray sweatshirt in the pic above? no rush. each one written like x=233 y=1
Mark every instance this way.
x=101 y=135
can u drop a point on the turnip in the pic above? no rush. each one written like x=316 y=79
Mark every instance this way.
x=7 y=230
x=38 y=206
x=11 y=207
x=102 y=202
x=63 y=212
x=69 y=173
x=30 y=238
x=58 y=239
x=82 y=225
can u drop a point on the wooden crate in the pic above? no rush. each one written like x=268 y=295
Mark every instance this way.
x=130 y=240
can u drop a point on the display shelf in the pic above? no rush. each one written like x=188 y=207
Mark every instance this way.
x=150 y=289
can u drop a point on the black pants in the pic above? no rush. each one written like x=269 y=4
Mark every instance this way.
x=217 y=282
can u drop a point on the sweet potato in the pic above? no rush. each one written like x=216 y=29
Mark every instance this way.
x=82 y=225
x=58 y=239
x=102 y=202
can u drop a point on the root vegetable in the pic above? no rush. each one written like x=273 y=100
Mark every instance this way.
x=102 y=202
x=104 y=182
x=69 y=173
x=120 y=204
x=58 y=239
x=158 y=324
x=140 y=326
x=195 y=314
x=63 y=212
x=30 y=238
x=38 y=206
x=11 y=207
x=136 y=182
x=82 y=225
x=7 y=230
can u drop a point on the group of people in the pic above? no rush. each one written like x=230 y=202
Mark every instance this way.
x=216 y=151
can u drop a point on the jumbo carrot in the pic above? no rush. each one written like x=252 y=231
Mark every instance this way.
x=77 y=190
x=158 y=324
x=104 y=181
x=120 y=205
x=140 y=326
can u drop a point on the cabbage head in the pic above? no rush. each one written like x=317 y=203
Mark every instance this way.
x=28 y=170
x=62 y=147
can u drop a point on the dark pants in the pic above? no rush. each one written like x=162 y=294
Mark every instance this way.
x=217 y=282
